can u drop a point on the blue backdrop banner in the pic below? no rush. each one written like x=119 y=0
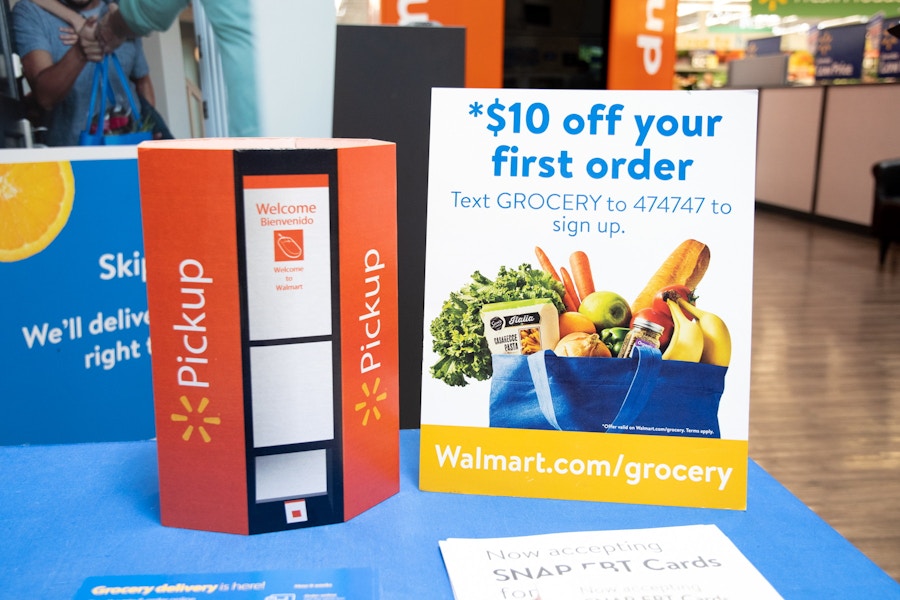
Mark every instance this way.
x=75 y=328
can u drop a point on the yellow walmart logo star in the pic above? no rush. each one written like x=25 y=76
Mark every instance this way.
x=197 y=419
x=773 y=4
x=373 y=396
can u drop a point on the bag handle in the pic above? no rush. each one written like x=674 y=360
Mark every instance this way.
x=135 y=109
x=537 y=366
x=102 y=84
x=97 y=85
x=646 y=374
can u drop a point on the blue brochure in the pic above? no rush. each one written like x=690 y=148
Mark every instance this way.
x=304 y=584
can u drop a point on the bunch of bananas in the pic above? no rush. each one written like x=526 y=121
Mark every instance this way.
x=698 y=336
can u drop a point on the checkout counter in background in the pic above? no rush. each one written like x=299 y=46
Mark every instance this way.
x=816 y=146
x=821 y=128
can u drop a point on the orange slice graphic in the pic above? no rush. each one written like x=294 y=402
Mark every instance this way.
x=35 y=203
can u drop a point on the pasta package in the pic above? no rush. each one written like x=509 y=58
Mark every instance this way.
x=521 y=326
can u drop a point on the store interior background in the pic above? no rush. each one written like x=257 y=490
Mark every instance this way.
x=547 y=44
x=816 y=146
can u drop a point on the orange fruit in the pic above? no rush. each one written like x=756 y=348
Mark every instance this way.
x=35 y=203
x=571 y=321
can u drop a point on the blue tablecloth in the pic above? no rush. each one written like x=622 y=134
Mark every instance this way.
x=68 y=512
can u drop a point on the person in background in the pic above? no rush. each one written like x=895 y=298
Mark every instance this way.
x=231 y=21
x=54 y=61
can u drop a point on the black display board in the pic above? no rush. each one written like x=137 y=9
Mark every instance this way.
x=382 y=90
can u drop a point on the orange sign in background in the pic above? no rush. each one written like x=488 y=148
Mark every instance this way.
x=642 y=44
x=483 y=20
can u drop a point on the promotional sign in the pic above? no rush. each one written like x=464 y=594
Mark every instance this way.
x=483 y=20
x=642 y=44
x=889 y=51
x=273 y=281
x=764 y=46
x=74 y=324
x=839 y=52
x=565 y=229
x=686 y=562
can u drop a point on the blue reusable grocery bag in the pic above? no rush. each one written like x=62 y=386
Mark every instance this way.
x=101 y=89
x=641 y=395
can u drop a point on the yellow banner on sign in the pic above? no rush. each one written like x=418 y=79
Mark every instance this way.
x=638 y=469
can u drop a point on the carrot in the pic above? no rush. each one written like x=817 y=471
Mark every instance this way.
x=548 y=267
x=570 y=299
x=581 y=274
x=545 y=263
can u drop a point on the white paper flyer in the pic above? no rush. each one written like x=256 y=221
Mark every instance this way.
x=692 y=561
x=588 y=295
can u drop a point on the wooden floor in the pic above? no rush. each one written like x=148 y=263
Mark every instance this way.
x=825 y=386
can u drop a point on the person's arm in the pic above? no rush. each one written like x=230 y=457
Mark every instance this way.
x=145 y=88
x=133 y=18
x=146 y=16
x=51 y=82
x=112 y=30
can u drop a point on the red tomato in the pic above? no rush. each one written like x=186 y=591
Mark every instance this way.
x=672 y=292
x=660 y=318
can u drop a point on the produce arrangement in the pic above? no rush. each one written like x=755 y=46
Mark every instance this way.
x=588 y=322
x=458 y=331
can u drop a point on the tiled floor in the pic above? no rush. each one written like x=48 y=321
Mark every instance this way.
x=825 y=386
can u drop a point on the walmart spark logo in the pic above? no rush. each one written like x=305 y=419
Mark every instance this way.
x=825 y=41
x=773 y=4
x=373 y=397
x=197 y=419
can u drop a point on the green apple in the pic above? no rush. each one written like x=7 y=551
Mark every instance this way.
x=606 y=309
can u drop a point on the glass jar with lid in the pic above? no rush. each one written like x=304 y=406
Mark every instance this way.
x=643 y=333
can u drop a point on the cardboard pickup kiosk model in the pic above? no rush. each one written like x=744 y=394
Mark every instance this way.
x=272 y=285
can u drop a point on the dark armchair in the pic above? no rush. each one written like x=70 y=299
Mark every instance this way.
x=886 y=208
